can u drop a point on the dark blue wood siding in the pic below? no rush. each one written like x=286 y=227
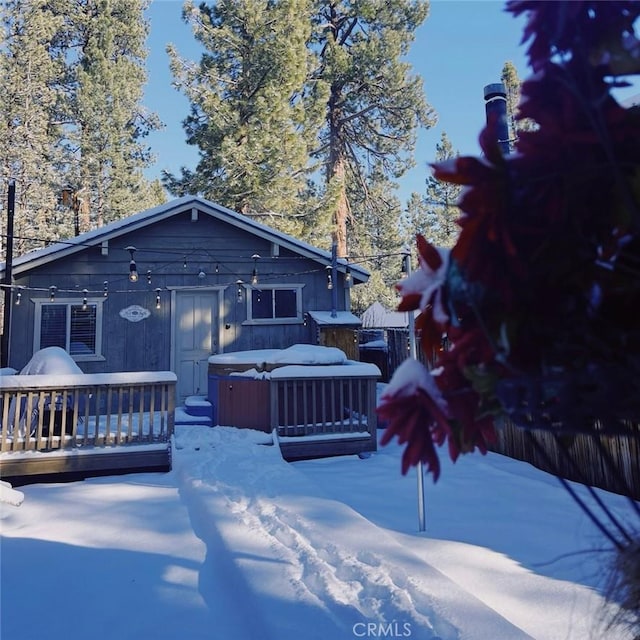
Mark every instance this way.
x=174 y=250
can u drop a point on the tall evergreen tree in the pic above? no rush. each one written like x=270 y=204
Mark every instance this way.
x=375 y=105
x=434 y=215
x=513 y=84
x=71 y=120
x=106 y=57
x=250 y=117
x=375 y=239
x=28 y=137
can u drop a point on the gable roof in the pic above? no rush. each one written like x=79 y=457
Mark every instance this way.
x=93 y=238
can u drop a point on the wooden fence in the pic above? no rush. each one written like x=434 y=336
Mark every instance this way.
x=607 y=462
x=72 y=423
x=611 y=463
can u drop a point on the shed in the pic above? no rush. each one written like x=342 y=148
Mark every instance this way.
x=166 y=288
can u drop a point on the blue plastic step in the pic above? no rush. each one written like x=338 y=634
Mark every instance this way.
x=182 y=418
x=198 y=406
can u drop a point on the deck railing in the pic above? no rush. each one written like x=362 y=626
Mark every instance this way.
x=308 y=410
x=45 y=413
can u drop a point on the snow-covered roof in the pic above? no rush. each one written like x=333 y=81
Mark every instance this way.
x=178 y=206
x=377 y=317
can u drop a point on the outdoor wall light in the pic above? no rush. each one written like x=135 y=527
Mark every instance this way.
x=133 y=270
x=201 y=274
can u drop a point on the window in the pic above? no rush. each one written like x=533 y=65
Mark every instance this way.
x=70 y=325
x=276 y=304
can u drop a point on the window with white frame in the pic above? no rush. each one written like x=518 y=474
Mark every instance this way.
x=70 y=324
x=274 y=304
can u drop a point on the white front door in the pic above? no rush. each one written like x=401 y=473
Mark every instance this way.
x=195 y=339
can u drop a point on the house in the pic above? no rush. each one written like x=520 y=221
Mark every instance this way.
x=166 y=288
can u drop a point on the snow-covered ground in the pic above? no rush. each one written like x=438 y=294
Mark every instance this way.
x=236 y=544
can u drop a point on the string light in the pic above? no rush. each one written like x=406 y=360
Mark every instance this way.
x=239 y=294
x=329 y=278
x=348 y=280
x=133 y=269
x=254 y=275
x=105 y=288
x=148 y=276
x=184 y=263
x=158 y=298
x=52 y=293
x=18 y=298
x=84 y=299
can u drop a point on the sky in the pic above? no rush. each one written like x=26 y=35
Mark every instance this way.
x=461 y=47
x=236 y=544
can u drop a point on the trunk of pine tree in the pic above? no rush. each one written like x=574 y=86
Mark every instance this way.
x=336 y=172
x=341 y=212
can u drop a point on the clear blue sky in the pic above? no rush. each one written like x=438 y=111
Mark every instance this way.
x=461 y=47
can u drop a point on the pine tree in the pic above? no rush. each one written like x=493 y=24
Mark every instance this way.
x=250 y=116
x=512 y=85
x=374 y=105
x=28 y=136
x=375 y=239
x=71 y=122
x=434 y=215
x=107 y=120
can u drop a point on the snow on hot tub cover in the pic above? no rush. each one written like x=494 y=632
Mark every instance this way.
x=302 y=354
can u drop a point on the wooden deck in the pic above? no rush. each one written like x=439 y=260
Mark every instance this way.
x=86 y=424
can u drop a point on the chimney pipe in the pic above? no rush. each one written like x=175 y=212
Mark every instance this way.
x=495 y=104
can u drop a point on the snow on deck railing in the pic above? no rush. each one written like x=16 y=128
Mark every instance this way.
x=43 y=412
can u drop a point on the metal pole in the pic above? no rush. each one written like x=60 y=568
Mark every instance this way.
x=413 y=353
x=8 y=275
x=334 y=279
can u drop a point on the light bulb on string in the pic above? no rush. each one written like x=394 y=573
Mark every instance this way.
x=52 y=293
x=239 y=293
x=254 y=275
x=84 y=299
x=133 y=269
x=329 y=278
x=105 y=288
x=149 y=276
x=348 y=281
x=18 y=298
x=158 y=298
